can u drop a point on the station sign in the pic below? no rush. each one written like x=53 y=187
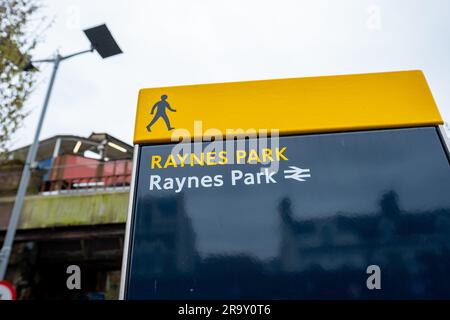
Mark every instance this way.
x=230 y=180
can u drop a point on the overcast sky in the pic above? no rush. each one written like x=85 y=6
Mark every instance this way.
x=185 y=42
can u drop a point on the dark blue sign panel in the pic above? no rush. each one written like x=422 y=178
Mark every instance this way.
x=304 y=220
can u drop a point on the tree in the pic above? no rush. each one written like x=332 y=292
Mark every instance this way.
x=20 y=30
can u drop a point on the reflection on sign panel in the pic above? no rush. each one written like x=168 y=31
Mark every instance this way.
x=336 y=204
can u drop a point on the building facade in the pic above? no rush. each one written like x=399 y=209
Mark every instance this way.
x=74 y=214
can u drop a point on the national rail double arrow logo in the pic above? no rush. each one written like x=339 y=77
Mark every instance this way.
x=297 y=173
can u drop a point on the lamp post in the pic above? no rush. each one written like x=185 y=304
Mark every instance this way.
x=102 y=41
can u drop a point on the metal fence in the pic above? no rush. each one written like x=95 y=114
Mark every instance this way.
x=86 y=184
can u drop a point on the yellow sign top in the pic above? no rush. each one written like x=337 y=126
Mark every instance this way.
x=292 y=106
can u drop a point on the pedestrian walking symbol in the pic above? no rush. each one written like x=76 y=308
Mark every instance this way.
x=161 y=107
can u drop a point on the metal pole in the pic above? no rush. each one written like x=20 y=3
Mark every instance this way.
x=17 y=209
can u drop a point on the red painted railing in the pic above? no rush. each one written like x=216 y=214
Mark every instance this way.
x=87 y=183
x=71 y=172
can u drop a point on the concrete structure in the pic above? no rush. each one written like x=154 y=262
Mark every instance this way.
x=74 y=213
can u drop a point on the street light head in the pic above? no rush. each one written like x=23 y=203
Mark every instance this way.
x=102 y=40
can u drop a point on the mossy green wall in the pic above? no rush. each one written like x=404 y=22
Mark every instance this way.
x=74 y=210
